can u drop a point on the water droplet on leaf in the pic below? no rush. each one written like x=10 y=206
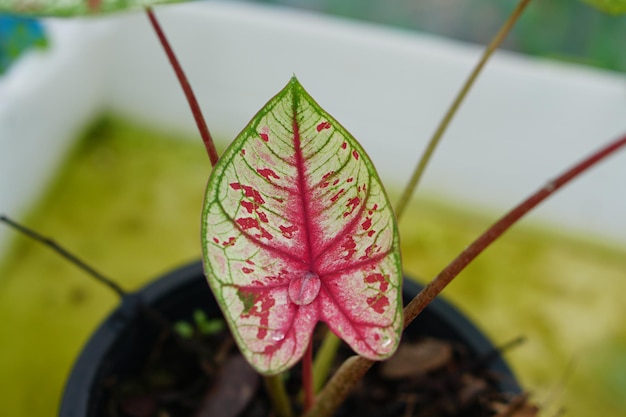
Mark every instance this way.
x=277 y=336
x=386 y=343
x=304 y=287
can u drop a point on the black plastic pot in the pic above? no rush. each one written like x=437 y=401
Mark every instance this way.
x=121 y=342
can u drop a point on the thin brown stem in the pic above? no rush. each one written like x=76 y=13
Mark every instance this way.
x=437 y=285
x=454 y=107
x=184 y=83
x=46 y=241
x=307 y=377
x=354 y=368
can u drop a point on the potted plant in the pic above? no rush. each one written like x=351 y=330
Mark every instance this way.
x=268 y=174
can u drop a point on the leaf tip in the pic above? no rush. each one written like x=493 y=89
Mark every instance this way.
x=293 y=82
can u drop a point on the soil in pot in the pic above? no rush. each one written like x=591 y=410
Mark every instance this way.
x=427 y=377
x=148 y=370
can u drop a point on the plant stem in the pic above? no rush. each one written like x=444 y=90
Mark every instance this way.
x=307 y=377
x=184 y=83
x=324 y=359
x=339 y=386
x=275 y=384
x=452 y=110
x=348 y=374
x=65 y=254
x=434 y=287
x=278 y=394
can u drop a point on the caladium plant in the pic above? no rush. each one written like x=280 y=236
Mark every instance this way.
x=297 y=229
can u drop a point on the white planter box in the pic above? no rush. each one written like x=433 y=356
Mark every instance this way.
x=525 y=121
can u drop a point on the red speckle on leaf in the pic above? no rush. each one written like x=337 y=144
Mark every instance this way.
x=288 y=231
x=376 y=337
x=249 y=206
x=322 y=126
x=325 y=183
x=336 y=196
x=267 y=173
x=367 y=223
x=262 y=216
x=352 y=205
x=247 y=270
x=350 y=247
x=253 y=194
x=251 y=223
x=335 y=182
x=216 y=240
x=230 y=242
x=378 y=303
x=369 y=251
x=350 y=179
x=265 y=137
x=248 y=192
x=379 y=278
x=344 y=145
x=250 y=262
x=269 y=349
x=265 y=234
x=243 y=152
x=260 y=307
x=355 y=154
x=371 y=233
x=248 y=223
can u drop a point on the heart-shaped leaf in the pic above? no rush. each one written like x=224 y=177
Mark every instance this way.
x=72 y=7
x=296 y=229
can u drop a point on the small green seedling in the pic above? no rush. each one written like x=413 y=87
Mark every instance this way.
x=201 y=325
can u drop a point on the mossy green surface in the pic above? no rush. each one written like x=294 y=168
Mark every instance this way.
x=564 y=294
x=128 y=202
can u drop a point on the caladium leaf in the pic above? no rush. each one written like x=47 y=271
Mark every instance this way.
x=72 y=7
x=297 y=228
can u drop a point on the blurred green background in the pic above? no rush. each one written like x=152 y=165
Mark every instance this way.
x=569 y=30
x=128 y=201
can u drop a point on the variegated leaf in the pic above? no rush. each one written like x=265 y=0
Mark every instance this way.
x=297 y=228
